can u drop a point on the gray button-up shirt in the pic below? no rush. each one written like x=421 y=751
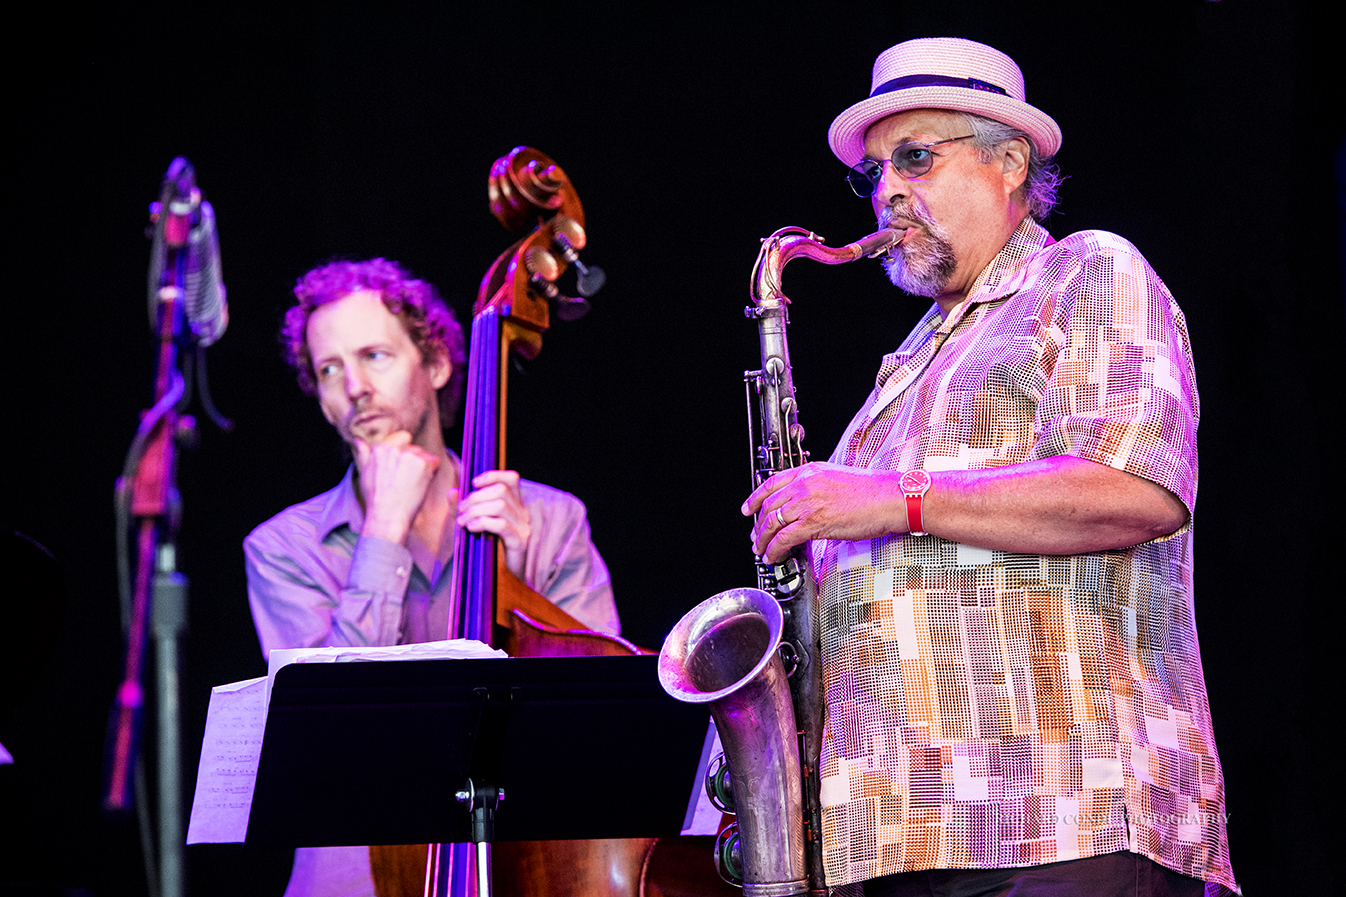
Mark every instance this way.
x=313 y=580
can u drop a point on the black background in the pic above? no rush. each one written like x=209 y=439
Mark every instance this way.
x=1206 y=133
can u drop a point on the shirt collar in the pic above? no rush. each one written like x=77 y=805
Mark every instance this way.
x=342 y=507
x=1002 y=277
x=1006 y=274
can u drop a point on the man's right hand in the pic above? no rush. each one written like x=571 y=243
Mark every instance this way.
x=394 y=478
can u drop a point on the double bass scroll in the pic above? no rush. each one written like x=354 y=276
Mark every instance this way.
x=488 y=602
x=511 y=314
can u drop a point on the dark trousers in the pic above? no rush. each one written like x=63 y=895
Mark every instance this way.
x=1121 y=874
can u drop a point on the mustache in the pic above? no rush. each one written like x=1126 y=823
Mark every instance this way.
x=906 y=212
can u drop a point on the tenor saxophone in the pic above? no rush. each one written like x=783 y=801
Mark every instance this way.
x=753 y=655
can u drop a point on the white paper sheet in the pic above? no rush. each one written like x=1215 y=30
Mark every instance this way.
x=229 y=754
x=705 y=818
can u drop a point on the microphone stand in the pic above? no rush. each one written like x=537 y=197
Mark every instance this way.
x=155 y=606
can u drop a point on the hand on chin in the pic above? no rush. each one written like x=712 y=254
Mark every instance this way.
x=394 y=478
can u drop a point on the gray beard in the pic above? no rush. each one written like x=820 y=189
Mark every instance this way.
x=921 y=271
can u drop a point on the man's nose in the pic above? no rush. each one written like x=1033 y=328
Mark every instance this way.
x=357 y=384
x=890 y=188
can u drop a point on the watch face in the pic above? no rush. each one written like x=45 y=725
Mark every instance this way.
x=915 y=482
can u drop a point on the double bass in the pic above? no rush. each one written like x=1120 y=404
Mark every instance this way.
x=491 y=604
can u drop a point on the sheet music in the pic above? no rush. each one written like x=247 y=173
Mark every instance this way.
x=229 y=754
x=236 y=720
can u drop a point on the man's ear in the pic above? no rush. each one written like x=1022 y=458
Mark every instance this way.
x=1014 y=163
x=440 y=367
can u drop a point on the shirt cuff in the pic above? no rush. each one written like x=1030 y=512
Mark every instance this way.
x=380 y=566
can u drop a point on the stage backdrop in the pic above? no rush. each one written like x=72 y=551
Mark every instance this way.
x=1203 y=132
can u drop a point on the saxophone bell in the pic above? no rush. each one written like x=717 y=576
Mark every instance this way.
x=724 y=653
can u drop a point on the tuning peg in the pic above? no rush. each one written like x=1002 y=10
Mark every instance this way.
x=591 y=279
x=543 y=269
x=542 y=265
x=571 y=308
x=568 y=234
x=569 y=238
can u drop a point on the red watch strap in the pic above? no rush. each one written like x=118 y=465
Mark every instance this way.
x=915 y=525
x=915 y=483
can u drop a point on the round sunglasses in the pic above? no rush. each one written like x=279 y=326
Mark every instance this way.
x=910 y=159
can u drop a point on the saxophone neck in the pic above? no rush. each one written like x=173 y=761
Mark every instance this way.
x=877 y=243
x=789 y=243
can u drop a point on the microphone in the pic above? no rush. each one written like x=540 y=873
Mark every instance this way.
x=207 y=301
x=185 y=223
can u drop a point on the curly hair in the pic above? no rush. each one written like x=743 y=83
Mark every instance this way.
x=1043 y=179
x=428 y=321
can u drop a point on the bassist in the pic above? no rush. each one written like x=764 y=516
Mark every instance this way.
x=370 y=562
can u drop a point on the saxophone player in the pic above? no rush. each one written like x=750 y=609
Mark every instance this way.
x=1003 y=537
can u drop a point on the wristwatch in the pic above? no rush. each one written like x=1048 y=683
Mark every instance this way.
x=914 y=485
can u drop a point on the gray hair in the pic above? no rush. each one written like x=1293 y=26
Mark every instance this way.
x=1043 y=178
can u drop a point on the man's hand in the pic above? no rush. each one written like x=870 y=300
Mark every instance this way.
x=394 y=478
x=495 y=505
x=824 y=501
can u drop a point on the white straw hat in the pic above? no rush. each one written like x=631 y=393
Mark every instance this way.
x=943 y=73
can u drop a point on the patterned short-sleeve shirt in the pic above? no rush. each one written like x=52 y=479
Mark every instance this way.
x=990 y=709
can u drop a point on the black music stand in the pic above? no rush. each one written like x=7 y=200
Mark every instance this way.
x=375 y=752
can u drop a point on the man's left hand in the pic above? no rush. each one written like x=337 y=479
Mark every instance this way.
x=821 y=500
x=495 y=505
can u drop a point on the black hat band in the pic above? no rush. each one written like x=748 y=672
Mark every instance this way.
x=936 y=81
